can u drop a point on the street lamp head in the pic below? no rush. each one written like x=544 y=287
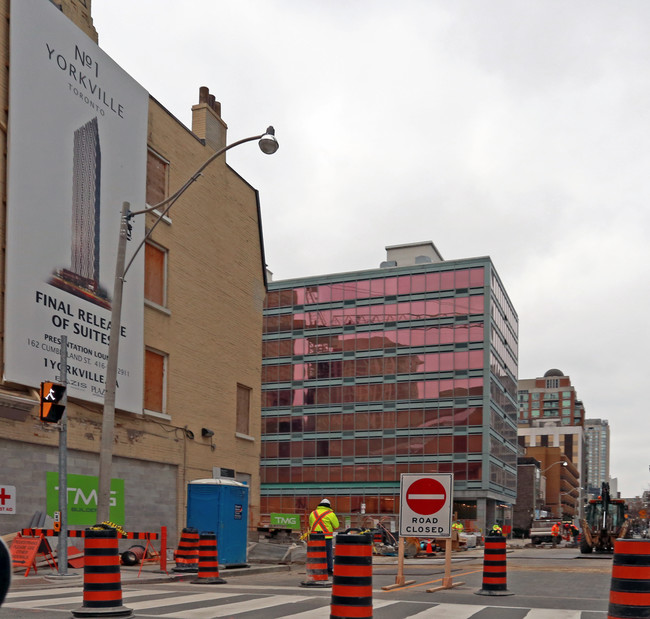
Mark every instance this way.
x=268 y=143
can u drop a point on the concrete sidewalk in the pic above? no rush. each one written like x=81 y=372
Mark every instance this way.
x=48 y=578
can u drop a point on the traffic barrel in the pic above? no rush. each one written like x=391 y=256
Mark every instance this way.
x=629 y=595
x=316 y=562
x=208 y=560
x=494 y=567
x=187 y=554
x=102 y=594
x=352 y=583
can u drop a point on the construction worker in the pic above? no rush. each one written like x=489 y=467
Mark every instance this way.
x=496 y=530
x=458 y=526
x=324 y=520
x=555 y=533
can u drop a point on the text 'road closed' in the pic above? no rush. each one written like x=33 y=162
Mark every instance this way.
x=424 y=526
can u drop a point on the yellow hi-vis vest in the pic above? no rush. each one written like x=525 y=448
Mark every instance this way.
x=323 y=520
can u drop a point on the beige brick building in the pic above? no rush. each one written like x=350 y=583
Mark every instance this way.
x=204 y=291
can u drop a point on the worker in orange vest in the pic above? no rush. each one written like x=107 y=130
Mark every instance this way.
x=324 y=520
x=555 y=533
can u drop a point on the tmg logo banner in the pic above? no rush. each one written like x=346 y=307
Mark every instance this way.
x=82 y=498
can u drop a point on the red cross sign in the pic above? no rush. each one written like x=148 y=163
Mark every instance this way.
x=7 y=499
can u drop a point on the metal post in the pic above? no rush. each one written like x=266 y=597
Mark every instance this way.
x=62 y=546
x=269 y=145
x=108 y=420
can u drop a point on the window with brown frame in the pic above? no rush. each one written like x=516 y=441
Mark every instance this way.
x=155 y=378
x=243 y=409
x=157 y=169
x=155 y=274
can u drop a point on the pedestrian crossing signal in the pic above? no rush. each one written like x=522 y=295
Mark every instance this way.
x=51 y=406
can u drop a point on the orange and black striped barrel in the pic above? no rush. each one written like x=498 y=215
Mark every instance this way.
x=102 y=594
x=494 y=567
x=629 y=595
x=316 y=563
x=352 y=584
x=208 y=560
x=187 y=554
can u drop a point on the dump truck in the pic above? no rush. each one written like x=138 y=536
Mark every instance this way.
x=540 y=532
x=604 y=521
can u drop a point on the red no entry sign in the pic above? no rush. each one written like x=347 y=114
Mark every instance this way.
x=426 y=496
x=426 y=504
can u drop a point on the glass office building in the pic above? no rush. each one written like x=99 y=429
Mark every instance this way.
x=408 y=368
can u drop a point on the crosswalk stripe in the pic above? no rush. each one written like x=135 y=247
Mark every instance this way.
x=76 y=599
x=161 y=602
x=44 y=602
x=553 y=613
x=449 y=611
x=228 y=610
x=39 y=592
x=309 y=614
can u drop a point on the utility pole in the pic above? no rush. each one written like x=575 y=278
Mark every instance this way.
x=108 y=421
x=62 y=547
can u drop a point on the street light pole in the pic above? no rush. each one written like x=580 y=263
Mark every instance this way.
x=108 y=420
x=268 y=145
x=564 y=463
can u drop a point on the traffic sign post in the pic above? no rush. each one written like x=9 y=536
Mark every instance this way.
x=425 y=510
x=425 y=505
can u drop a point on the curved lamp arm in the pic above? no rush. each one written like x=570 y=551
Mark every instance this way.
x=268 y=145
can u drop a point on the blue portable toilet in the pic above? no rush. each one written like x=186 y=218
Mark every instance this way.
x=221 y=506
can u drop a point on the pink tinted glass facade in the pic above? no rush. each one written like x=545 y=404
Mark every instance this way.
x=381 y=375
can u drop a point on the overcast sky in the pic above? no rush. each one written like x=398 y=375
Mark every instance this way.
x=518 y=130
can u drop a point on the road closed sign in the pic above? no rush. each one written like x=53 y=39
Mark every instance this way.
x=425 y=505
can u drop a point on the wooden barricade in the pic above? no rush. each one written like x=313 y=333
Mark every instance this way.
x=151 y=555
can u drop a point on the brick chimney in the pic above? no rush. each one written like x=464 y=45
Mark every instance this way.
x=78 y=11
x=206 y=120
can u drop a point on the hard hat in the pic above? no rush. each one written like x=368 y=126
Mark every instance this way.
x=325 y=502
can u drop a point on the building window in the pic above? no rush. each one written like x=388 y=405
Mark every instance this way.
x=155 y=274
x=155 y=379
x=552 y=383
x=157 y=174
x=243 y=410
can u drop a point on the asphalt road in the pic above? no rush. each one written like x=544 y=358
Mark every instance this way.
x=543 y=583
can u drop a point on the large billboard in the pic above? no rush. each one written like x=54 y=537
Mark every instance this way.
x=77 y=151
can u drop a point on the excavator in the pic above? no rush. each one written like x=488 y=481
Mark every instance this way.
x=603 y=523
